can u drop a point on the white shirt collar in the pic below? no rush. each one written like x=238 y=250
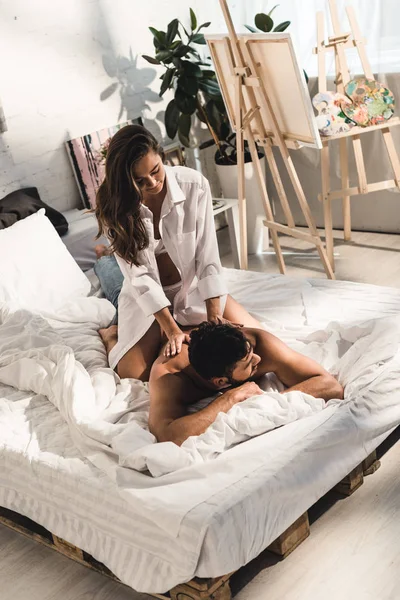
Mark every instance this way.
x=175 y=191
x=173 y=196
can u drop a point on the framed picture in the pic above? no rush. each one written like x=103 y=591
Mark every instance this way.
x=174 y=155
x=87 y=155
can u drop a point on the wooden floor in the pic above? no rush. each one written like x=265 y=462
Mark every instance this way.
x=353 y=552
x=368 y=258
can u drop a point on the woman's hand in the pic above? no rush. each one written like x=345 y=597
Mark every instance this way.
x=219 y=320
x=175 y=341
x=214 y=314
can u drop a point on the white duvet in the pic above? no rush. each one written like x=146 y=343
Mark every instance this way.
x=62 y=357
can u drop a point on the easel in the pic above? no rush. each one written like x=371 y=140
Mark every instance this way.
x=338 y=44
x=245 y=71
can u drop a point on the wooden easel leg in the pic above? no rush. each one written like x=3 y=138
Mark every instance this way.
x=266 y=202
x=241 y=180
x=306 y=211
x=325 y=178
x=393 y=156
x=278 y=184
x=358 y=154
x=292 y=537
x=344 y=168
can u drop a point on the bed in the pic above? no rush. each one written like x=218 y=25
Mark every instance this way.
x=212 y=516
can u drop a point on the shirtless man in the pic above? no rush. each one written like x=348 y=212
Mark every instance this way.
x=225 y=360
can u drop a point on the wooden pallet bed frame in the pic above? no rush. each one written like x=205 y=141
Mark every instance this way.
x=196 y=589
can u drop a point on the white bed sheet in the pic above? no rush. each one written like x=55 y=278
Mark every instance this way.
x=43 y=476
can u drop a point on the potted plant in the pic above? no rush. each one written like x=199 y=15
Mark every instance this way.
x=196 y=92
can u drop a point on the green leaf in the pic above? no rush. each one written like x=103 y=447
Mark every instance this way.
x=183 y=140
x=195 y=53
x=210 y=87
x=190 y=85
x=202 y=63
x=171 y=119
x=182 y=51
x=193 y=20
x=272 y=10
x=198 y=38
x=200 y=116
x=164 y=56
x=172 y=30
x=207 y=144
x=204 y=25
x=191 y=70
x=208 y=74
x=185 y=123
x=213 y=115
x=183 y=27
x=186 y=104
x=282 y=26
x=151 y=60
x=177 y=63
x=305 y=76
x=175 y=44
x=159 y=35
x=224 y=131
x=167 y=79
x=252 y=29
x=263 y=22
x=219 y=103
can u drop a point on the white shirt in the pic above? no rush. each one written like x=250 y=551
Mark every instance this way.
x=188 y=232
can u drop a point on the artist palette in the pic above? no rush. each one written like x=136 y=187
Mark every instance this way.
x=372 y=103
x=331 y=118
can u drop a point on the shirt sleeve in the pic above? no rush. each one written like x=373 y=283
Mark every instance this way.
x=208 y=265
x=146 y=285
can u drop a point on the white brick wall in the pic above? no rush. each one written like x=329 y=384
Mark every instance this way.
x=53 y=58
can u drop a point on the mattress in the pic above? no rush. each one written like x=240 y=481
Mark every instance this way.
x=44 y=477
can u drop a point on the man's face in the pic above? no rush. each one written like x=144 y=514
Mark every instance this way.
x=244 y=369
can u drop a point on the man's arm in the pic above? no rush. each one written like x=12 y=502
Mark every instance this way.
x=296 y=371
x=168 y=419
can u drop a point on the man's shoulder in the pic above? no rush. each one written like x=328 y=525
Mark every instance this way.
x=170 y=366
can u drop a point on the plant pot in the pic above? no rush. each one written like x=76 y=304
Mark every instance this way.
x=257 y=234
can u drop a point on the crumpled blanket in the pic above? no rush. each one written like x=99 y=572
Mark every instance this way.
x=62 y=357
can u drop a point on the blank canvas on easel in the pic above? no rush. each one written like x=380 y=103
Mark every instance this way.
x=277 y=65
x=268 y=103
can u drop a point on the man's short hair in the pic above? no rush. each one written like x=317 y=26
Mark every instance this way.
x=215 y=349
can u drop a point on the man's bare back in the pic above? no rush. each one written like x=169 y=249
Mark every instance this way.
x=175 y=384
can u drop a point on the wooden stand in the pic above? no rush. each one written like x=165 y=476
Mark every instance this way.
x=338 y=44
x=292 y=537
x=355 y=478
x=244 y=69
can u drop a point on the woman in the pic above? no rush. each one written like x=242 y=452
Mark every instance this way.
x=159 y=221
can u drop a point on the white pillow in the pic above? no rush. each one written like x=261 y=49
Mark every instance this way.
x=36 y=270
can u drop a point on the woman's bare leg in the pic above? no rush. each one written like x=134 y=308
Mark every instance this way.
x=235 y=313
x=109 y=335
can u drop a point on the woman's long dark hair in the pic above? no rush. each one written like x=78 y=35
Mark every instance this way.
x=119 y=197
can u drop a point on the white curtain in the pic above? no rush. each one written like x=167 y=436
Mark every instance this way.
x=378 y=20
